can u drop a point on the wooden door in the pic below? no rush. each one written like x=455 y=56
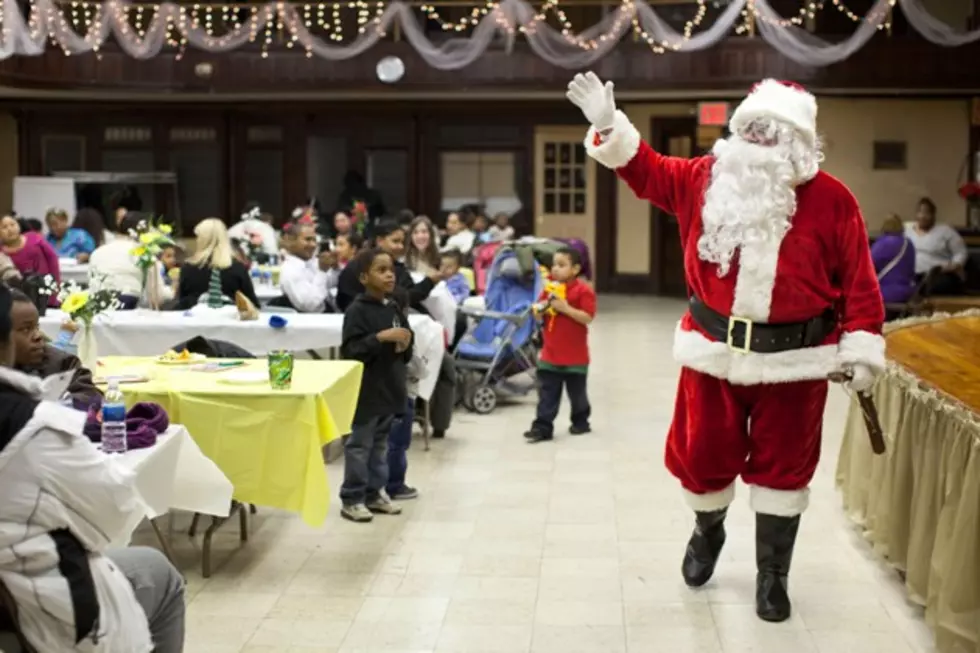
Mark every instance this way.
x=675 y=137
x=564 y=185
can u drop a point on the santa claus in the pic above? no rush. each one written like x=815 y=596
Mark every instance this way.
x=782 y=293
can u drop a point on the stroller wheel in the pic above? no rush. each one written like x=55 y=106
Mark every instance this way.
x=482 y=399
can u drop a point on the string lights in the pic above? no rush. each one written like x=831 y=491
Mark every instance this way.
x=216 y=25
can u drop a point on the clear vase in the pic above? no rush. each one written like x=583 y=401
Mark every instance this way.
x=152 y=295
x=88 y=348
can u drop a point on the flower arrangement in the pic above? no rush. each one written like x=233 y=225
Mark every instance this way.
x=359 y=216
x=152 y=238
x=84 y=305
x=970 y=191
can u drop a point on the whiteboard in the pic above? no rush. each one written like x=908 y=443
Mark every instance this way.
x=35 y=196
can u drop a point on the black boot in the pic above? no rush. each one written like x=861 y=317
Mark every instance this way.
x=775 y=538
x=704 y=547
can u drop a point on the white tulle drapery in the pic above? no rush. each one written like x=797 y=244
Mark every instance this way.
x=509 y=19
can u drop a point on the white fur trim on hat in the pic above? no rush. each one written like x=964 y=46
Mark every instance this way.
x=618 y=147
x=782 y=503
x=774 y=99
x=710 y=501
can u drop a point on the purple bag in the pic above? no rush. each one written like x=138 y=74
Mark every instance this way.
x=144 y=422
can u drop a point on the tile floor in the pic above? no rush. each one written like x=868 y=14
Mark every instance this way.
x=567 y=547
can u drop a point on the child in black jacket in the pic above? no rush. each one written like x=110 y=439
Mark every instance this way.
x=376 y=332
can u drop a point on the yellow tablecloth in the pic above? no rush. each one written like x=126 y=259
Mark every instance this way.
x=919 y=504
x=267 y=442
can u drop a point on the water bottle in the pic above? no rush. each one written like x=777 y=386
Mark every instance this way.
x=114 y=420
x=255 y=273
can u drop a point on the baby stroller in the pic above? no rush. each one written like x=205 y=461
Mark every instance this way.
x=501 y=345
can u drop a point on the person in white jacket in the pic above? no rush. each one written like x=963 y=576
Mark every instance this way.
x=64 y=503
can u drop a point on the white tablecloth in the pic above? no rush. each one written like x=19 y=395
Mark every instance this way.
x=150 y=333
x=266 y=292
x=72 y=270
x=174 y=474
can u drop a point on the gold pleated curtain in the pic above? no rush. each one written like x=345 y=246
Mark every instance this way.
x=919 y=504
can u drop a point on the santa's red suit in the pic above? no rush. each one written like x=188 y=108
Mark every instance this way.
x=760 y=337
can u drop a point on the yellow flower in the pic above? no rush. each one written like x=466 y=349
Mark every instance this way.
x=166 y=229
x=74 y=302
x=147 y=237
x=138 y=251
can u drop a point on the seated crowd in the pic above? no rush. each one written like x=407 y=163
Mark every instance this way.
x=919 y=259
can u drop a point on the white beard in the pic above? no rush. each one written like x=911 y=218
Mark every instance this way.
x=751 y=197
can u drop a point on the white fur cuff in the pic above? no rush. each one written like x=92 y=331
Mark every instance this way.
x=618 y=147
x=862 y=347
x=782 y=503
x=710 y=501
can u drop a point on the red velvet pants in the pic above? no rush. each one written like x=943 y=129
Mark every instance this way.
x=769 y=434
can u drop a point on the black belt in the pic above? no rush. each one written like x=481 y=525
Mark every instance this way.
x=747 y=336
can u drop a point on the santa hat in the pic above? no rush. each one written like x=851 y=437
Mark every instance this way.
x=785 y=101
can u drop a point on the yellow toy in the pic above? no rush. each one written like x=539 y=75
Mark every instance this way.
x=553 y=290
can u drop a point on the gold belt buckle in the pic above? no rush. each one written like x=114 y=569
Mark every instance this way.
x=732 y=323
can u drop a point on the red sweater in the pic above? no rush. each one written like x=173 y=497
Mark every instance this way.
x=566 y=342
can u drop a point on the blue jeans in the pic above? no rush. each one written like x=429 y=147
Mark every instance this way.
x=399 y=439
x=365 y=464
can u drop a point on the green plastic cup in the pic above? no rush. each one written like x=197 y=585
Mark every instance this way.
x=281 y=369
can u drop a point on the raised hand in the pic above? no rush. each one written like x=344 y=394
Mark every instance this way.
x=594 y=98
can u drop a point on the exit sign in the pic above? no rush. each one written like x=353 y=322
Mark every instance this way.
x=713 y=113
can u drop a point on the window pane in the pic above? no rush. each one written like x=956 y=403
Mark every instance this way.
x=485 y=178
x=129 y=160
x=62 y=153
x=387 y=173
x=198 y=184
x=263 y=180
x=326 y=164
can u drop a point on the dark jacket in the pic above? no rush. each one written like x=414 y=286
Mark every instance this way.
x=82 y=387
x=194 y=282
x=383 y=382
x=349 y=286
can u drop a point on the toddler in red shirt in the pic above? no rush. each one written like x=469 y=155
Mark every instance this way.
x=564 y=359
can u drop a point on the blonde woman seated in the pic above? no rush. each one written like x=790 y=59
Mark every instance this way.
x=213 y=257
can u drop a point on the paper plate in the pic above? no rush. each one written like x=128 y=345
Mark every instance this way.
x=193 y=358
x=244 y=377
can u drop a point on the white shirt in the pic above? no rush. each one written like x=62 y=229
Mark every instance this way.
x=463 y=241
x=270 y=242
x=304 y=283
x=938 y=247
x=117 y=266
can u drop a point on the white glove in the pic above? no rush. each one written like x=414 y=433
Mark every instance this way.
x=596 y=100
x=862 y=378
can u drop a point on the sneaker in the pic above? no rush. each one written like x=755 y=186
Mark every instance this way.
x=533 y=437
x=356 y=512
x=382 y=505
x=404 y=493
x=580 y=430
